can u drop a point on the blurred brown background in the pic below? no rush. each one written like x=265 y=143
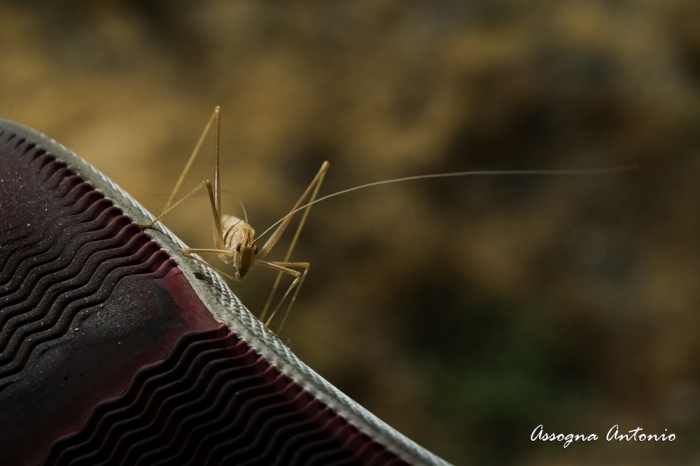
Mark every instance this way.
x=463 y=312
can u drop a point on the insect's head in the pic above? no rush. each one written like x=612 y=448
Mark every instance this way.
x=244 y=258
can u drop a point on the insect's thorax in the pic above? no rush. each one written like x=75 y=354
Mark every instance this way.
x=239 y=239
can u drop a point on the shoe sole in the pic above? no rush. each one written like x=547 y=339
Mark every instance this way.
x=116 y=350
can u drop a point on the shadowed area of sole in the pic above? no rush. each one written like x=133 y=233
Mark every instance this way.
x=108 y=355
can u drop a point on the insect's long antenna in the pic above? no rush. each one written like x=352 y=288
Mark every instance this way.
x=245 y=214
x=584 y=171
x=217 y=139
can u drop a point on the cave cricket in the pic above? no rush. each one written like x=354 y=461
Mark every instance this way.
x=235 y=241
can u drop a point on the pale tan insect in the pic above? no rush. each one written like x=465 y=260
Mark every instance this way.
x=237 y=245
x=234 y=239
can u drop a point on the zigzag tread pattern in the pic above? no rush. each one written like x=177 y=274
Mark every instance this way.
x=68 y=260
x=214 y=401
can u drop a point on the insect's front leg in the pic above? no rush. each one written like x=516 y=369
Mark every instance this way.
x=188 y=253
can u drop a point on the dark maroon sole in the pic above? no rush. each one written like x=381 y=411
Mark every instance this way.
x=113 y=353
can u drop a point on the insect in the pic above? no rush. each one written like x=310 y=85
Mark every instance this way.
x=237 y=245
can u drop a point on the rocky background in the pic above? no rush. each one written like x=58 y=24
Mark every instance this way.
x=463 y=312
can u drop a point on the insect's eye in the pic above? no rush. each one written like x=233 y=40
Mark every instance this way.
x=256 y=249
x=238 y=247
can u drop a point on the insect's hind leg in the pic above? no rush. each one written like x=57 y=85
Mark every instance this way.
x=285 y=267
x=214 y=117
x=218 y=234
x=318 y=180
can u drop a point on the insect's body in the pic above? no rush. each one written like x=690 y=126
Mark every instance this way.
x=239 y=240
